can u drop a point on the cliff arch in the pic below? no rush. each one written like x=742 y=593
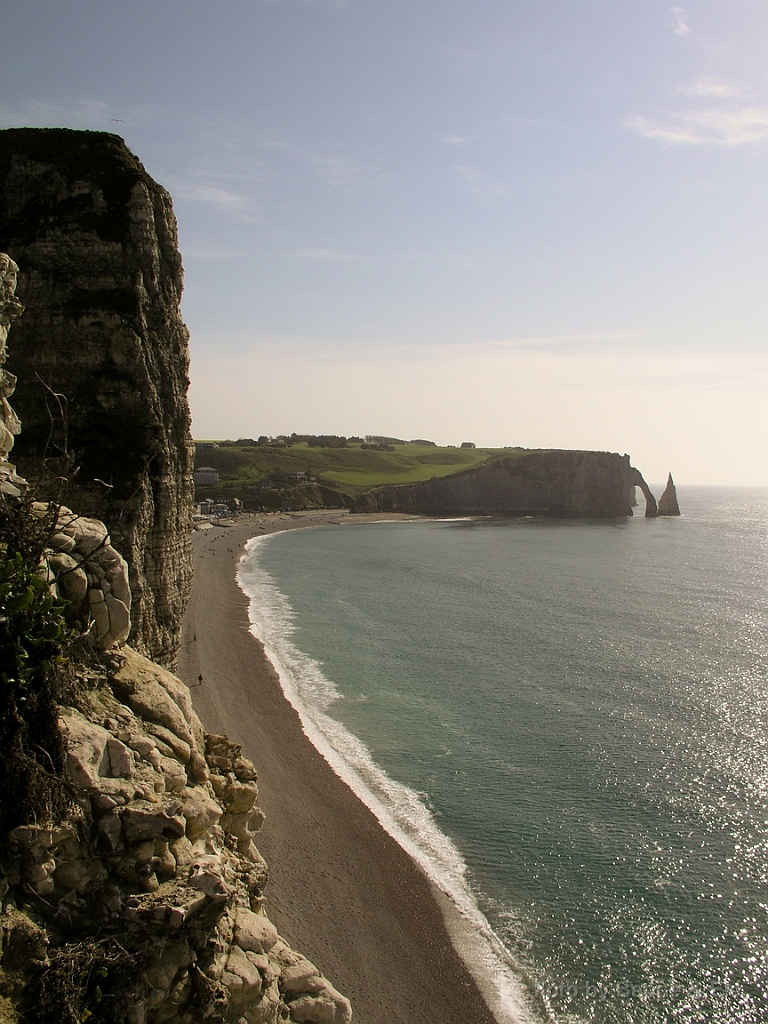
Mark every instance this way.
x=636 y=480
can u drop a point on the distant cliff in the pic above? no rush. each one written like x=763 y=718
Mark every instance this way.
x=101 y=280
x=553 y=483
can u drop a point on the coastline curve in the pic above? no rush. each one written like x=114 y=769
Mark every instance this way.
x=399 y=810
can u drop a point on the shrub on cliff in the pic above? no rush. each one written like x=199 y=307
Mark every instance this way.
x=33 y=637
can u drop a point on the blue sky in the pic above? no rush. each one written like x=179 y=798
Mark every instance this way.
x=534 y=222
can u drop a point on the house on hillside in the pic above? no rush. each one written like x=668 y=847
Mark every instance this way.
x=296 y=478
x=206 y=476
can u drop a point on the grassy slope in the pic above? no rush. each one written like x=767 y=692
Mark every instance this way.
x=351 y=471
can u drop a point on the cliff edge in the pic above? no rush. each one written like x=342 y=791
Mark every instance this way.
x=102 y=357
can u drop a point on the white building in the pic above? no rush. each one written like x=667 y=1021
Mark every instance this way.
x=205 y=476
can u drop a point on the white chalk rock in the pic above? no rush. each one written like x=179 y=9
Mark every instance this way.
x=100 y=614
x=301 y=977
x=242 y=978
x=143 y=820
x=117 y=575
x=87 y=758
x=171 y=958
x=173 y=773
x=254 y=933
x=71 y=581
x=61 y=542
x=200 y=810
x=90 y=535
x=119 y=618
x=317 y=1010
x=209 y=881
x=120 y=759
x=239 y=797
x=154 y=694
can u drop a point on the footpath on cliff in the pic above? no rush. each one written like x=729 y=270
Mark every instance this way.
x=340 y=887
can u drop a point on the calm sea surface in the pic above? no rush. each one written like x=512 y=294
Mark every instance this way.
x=566 y=722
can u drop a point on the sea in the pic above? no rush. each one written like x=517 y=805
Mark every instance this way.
x=565 y=722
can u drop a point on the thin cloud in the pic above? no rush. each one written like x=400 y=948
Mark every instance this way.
x=681 y=27
x=235 y=205
x=712 y=126
x=719 y=88
x=206 y=193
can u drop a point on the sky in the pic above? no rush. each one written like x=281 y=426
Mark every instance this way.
x=514 y=222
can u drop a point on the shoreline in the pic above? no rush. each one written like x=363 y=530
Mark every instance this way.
x=341 y=889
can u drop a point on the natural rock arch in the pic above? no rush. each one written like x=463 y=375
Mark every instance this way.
x=651 y=509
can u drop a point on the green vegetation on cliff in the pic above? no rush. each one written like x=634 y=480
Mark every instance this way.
x=342 y=474
x=305 y=472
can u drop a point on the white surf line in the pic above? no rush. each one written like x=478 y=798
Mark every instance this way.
x=398 y=809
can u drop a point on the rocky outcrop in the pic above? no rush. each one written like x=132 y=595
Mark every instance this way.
x=554 y=483
x=101 y=355
x=86 y=571
x=157 y=864
x=668 y=505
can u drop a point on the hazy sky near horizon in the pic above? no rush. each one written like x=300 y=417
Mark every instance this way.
x=516 y=222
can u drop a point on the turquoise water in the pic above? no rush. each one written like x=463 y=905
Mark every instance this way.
x=566 y=722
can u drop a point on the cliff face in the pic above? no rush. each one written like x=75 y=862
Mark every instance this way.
x=130 y=882
x=557 y=483
x=101 y=281
x=152 y=887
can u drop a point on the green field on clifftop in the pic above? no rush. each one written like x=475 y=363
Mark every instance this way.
x=345 y=472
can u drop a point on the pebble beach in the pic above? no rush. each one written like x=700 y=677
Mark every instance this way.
x=341 y=889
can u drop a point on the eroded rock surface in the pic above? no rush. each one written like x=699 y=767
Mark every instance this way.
x=101 y=280
x=158 y=856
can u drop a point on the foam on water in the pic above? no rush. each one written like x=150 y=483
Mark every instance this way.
x=400 y=810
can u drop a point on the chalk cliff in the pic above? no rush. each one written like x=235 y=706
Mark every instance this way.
x=668 y=505
x=555 y=483
x=131 y=886
x=144 y=903
x=101 y=280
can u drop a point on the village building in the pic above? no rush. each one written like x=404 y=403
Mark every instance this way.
x=206 y=476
